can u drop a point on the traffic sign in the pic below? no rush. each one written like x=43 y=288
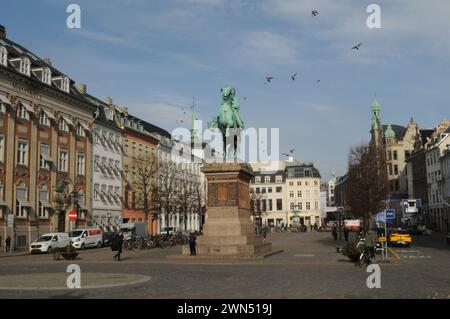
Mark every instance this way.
x=390 y=213
x=73 y=215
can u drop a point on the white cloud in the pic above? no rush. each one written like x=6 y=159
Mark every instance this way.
x=262 y=49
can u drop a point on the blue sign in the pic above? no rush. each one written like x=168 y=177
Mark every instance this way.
x=390 y=213
x=119 y=220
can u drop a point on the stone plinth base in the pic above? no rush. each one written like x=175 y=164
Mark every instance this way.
x=229 y=230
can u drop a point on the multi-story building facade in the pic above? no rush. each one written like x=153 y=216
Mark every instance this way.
x=268 y=196
x=303 y=194
x=107 y=168
x=45 y=149
x=435 y=210
x=137 y=142
x=398 y=142
x=445 y=185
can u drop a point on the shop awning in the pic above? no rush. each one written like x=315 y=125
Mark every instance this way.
x=47 y=158
x=67 y=119
x=86 y=128
x=24 y=203
x=4 y=100
x=27 y=106
x=49 y=114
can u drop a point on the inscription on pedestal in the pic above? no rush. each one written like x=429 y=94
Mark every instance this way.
x=222 y=193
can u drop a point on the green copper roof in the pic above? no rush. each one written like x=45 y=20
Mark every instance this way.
x=389 y=132
x=375 y=104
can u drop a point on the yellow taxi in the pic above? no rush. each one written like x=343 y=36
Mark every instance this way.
x=399 y=237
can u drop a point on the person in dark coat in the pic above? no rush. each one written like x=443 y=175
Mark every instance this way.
x=192 y=244
x=116 y=244
x=334 y=232
x=8 y=244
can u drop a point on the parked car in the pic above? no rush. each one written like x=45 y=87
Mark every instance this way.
x=48 y=242
x=399 y=237
x=87 y=237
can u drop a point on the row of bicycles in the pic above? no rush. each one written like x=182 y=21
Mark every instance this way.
x=157 y=241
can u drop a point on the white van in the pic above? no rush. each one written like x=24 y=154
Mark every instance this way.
x=86 y=237
x=48 y=242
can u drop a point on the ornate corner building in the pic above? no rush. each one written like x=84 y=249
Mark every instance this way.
x=45 y=146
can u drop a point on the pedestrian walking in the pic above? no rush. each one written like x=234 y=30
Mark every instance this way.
x=334 y=233
x=8 y=244
x=371 y=240
x=311 y=227
x=346 y=234
x=192 y=244
x=264 y=234
x=316 y=227
x=116 y=244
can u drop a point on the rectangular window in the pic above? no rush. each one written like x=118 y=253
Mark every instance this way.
x=279 y=189
x=80 y=164
x=96 y=163
x=63 y=126
x=2 y=148
x=270 y=205
x=257 y=179
x=395 y=155
x=396 y=169
x=22 y=112
x=308 y=205
x=96 y=191
x=269 y=189
x=291 y=183
x=279 y=179
x=22 y=153
x=266 y=179
x=316 y=205
x=299 y=193
x=63 y=161
x=43 y=119
x=300 y=205
x=44 y=157
x=279 y=204
x=80 y=130
x=291 y=194
x=390 y=168
x=389 y=155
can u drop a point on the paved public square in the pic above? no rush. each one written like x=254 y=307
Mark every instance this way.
x=309 y=267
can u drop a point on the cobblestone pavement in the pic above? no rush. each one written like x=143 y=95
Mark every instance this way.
x=309 y=267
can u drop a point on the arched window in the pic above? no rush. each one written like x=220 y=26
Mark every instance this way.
x=3 y=56
x=25 y=66
x=47 y=76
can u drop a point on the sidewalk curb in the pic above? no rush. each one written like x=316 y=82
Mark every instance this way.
x=14 y=255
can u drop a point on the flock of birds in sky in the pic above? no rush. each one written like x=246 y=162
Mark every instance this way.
x=270 y=78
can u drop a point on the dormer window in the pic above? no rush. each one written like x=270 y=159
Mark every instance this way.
x=43 y=74
x=3 y=56
x=25 y=66
x=22 y=65
x=63 y=83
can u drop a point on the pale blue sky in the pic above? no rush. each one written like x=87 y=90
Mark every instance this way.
x=154 y=56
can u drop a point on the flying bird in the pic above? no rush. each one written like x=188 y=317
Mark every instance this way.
x=293 y=76
x=268 y=79
x=318 y=81
x=292 y=150
x=314 y=12
x=356 y=47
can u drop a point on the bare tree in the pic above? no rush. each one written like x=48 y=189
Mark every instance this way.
x=144 y=181
x=166 y=194
x=367 y=181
